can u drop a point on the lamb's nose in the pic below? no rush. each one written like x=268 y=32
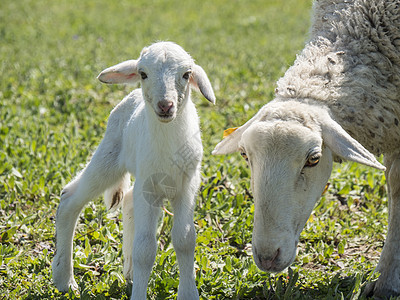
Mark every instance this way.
x=165 y=105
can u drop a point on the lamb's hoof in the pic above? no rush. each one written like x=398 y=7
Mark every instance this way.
x=379 y=292
x=64 y=284
x=66 y=287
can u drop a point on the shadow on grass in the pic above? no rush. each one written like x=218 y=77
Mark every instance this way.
x=289 y=287
x=283 y=287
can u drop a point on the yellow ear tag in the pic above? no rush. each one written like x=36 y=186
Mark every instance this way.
x=229 y=131
x=326 y=188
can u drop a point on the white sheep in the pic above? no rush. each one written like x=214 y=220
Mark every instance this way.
x=154 y=135
x=340 y=98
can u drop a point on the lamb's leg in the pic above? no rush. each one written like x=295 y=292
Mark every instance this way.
x=128 y=233
x=145 y=219
x=388 y=283
x=184 y=241
x=101 y=172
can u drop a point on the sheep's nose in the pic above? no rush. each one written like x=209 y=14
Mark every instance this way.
x=165 y=105
x=270 y=262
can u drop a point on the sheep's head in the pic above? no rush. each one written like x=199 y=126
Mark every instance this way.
x=289 y=147
x=166 y=73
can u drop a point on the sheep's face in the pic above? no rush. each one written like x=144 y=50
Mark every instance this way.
x=289 y=147
x=290 y=168
x=165 y=74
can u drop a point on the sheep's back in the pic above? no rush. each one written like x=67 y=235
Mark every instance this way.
x=352 y=64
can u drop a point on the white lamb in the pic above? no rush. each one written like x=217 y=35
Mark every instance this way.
x=340 y=98
x=154 y=135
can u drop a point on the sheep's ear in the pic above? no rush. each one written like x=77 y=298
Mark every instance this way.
x=125 y=72
x=230 y=143
x=344 y=146
x=199 y=81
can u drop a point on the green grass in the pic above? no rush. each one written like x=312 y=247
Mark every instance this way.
x=53 y=114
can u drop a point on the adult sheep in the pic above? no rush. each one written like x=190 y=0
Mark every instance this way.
x=340 y=100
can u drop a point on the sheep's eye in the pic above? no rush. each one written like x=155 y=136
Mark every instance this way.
x=187 y=75
x=244 y=155
x=313 y=160
x=143 y=75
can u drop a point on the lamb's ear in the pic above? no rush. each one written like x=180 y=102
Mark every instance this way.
x=230 y=143
x=344 y=146
x=125 y=72
x=199 y=81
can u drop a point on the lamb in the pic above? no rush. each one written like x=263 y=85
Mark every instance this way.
x=154 y=135
x=339 y=101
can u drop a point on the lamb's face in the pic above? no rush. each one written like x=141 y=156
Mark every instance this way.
x=165 y=70
x=290 y=167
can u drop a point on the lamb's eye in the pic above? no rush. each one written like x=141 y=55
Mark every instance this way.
x=143 y=75
x=187 y=75
x=244 y=155
x=313 y=160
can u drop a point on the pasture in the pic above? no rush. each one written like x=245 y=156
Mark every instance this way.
x=53 y=114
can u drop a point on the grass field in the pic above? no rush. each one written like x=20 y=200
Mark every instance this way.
x=53 y=113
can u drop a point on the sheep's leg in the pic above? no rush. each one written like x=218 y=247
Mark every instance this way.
x=145 y=220
x=388 y=283
x=101 y=172
x=184 y=242
x=128 y=233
